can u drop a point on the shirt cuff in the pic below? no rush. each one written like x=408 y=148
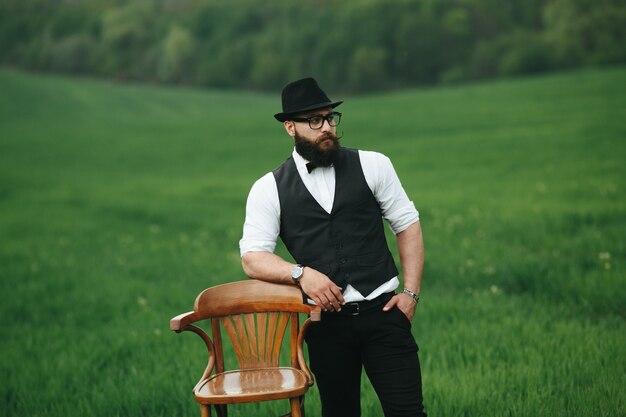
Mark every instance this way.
x=404 y=218
x=256 y=246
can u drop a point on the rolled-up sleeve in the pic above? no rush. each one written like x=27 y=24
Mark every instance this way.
x=397 y=209
x=262 y=224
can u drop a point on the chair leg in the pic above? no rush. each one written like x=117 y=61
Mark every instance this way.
x=205 y=410
x=296 y=411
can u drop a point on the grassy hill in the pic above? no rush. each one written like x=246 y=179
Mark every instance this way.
x=119 y=203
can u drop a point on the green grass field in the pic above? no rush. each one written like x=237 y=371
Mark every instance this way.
x=118 y=204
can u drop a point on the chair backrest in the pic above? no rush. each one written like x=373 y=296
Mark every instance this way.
x=249 y=297
x=255 y=316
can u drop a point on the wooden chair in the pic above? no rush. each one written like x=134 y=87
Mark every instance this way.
x=255 y=315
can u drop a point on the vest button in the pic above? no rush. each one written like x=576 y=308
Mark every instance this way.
x=343 y=260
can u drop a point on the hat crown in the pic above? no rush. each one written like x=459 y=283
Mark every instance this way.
x=303 y=95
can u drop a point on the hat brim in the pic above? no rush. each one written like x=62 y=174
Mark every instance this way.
x=281 y=117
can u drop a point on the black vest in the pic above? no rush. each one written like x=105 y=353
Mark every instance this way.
x=348 y=245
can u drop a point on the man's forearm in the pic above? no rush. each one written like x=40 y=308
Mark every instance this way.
x=267 y=266
x=411 y=249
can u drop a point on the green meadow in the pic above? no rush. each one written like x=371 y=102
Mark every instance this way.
x=120 y=203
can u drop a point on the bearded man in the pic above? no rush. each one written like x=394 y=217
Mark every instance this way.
x=327 y=203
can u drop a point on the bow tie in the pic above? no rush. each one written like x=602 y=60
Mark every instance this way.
x=310 y=166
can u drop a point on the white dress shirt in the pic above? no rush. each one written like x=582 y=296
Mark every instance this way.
x=262 y=224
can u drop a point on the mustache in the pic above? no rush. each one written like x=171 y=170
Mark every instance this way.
x=331 y=136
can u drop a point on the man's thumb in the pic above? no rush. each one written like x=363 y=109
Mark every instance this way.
x=390 y=304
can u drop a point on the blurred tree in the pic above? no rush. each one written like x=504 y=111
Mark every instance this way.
x=229 y=67
x=71 y=54
x=586 y=31
x=72 y=19
x=355 y=46
x=524 y=53
x=419 y=56
x=127 y=33
x=176 y=53
x=21 y=29
x=368 y=69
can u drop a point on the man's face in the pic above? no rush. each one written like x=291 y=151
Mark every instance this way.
x=319 y=146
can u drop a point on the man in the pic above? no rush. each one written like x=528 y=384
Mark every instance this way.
x=327 y=204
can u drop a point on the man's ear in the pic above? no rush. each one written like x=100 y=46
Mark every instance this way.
x=290 y=127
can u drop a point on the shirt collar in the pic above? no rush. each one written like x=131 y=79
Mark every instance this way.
x=299 y=160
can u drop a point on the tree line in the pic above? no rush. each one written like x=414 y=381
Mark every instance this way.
x=352 y=46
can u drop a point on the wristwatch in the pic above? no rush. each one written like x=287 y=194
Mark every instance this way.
x=296 y=274
x=411 y=294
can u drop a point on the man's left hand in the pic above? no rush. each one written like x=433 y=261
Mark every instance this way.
x=404 y=302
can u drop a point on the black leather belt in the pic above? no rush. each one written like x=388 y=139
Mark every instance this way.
x=357 y=308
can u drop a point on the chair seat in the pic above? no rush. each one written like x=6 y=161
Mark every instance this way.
x=248 y=385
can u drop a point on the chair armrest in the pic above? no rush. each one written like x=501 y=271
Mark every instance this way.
x=178 y=323
x=207 y=342
x=316 y=313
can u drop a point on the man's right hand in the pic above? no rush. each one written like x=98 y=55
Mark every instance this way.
x=324 y=292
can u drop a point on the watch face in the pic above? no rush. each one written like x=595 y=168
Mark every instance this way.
x=296 y=273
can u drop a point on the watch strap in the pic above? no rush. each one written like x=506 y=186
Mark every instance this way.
x=411 y=294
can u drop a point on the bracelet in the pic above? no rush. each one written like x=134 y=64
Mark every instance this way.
x=410 y=293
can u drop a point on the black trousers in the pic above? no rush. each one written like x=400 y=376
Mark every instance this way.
x=340 y=345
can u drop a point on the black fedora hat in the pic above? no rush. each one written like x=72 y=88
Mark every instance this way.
x=303 y=95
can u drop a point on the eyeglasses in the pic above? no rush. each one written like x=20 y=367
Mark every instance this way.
x=316 y=122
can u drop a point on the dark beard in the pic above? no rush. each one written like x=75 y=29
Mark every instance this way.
x=311 y=151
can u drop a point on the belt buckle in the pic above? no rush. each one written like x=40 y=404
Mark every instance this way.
x=356 y=313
